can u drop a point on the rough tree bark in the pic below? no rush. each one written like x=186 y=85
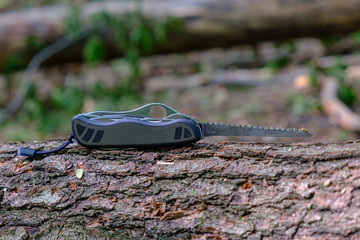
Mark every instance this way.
x=226 y=190
x=208 y=23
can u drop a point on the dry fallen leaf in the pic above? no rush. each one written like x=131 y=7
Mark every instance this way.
x=79 y=173
x=247 y=185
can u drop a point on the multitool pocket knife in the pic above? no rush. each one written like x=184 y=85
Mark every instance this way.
x=138 y=128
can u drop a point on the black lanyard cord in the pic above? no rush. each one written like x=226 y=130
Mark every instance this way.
x=30 y=152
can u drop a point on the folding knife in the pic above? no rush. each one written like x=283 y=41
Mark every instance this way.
x=137 y=128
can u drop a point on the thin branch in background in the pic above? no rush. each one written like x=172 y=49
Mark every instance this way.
x=17 y=102
x=337 y=111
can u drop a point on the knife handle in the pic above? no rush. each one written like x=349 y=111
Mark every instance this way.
x=134 y=132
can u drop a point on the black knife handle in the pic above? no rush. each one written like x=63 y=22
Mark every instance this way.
x=134 y=132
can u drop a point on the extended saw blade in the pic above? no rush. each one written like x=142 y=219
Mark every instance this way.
x=220 y=129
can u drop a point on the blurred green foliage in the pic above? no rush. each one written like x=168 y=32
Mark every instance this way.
x=278 y=63
x=73 y=22
x=282 y=59
x=94 y=49
x=6 y=5
x=302 y=105
x=346 y=92
x=313 y=71
x=12 y=64
x=18 y=61
x=135 y=35
x=330 y=41
x=356 y=36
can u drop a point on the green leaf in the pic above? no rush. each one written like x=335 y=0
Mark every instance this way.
x=12 y=64
x=160 y=32
x=94 y=49
x=356 y=36
x=309 y=206
x=347 y=94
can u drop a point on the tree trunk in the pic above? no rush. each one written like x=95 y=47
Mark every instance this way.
x=203 y=191
x=205 y=24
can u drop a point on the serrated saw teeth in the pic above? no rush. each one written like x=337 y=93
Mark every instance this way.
x=223 y=129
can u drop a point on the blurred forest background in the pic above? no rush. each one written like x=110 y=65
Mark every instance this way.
x=263 y=62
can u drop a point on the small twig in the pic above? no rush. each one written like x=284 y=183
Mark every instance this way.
x=26 y=81
x=337 y=111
